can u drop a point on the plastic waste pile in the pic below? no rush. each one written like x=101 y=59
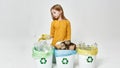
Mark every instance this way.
x=42 y=49
x=87 y=49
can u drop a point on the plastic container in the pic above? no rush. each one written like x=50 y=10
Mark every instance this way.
x=42 y=53
x=65 y=58
x=87 y=61
x=44 y=62
x=87 y=56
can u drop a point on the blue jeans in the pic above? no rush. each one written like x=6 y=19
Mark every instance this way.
x=54 y=58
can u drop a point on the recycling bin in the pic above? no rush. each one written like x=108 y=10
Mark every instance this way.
x=65 y=58
x=44 y=62
x=87 y=57
x=43 y=59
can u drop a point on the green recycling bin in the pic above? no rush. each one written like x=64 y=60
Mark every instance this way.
x=43 y=57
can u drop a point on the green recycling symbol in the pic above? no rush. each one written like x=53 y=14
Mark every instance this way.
x=89 y=59
x=65 y=61
x=43 y=61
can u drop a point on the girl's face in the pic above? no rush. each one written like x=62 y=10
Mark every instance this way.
x=56 y=14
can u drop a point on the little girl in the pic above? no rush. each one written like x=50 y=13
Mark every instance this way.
x=60 y=26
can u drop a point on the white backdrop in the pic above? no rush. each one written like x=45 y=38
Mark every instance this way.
x=23 y=21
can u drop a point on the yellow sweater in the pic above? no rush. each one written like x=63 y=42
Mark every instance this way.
x=60 y=31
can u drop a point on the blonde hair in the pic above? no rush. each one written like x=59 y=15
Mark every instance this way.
x=58 y=8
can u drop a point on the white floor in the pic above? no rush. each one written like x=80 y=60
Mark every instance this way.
x=17 y=54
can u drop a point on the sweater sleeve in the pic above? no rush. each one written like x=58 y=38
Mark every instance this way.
x=52 y=30
x=68 y=31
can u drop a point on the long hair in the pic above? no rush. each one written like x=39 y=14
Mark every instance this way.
x=58 y=8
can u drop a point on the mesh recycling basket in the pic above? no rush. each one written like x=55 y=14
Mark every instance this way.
x=65 y=58
x=87 y=57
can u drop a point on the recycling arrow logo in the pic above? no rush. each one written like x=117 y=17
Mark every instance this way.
x=65 y=61
x=43 y=61
x=89 y=59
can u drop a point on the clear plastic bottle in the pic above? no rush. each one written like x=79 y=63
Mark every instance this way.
x=84 y=46
x=88 y=47
x=95 y=45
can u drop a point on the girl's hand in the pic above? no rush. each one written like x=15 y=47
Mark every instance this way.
x=58 y=46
